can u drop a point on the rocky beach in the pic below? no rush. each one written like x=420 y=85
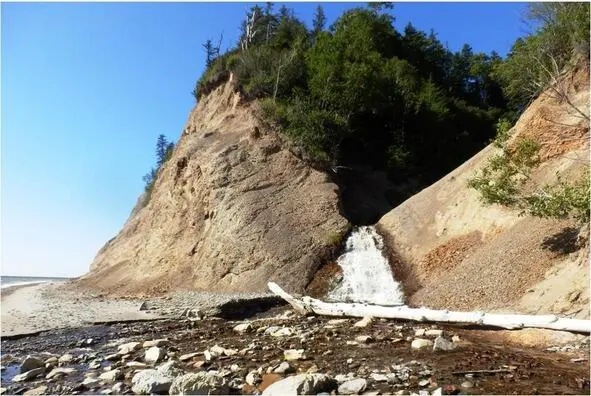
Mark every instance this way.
x=252 y=343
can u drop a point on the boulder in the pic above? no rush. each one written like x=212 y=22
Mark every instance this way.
x=111 y=376
x=129 y=347
x=202 y=383
x=243 y=328
x=66 y=358
x=150 y=381
x=30 y=363
x=302 y=384
x=56 y=372
x=29 y=375
x=442 y=344
x=421 y=343
x=366 y=321
x=353 y=387
x=170 y=369
x=155 y=343
x=154 y=354
x=294 y=354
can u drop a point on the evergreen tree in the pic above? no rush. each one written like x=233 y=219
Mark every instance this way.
x=161 y=146
x=319 y=21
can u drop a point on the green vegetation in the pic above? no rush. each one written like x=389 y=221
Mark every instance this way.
x=534 y=65
x=362 y=93
x=164 y=150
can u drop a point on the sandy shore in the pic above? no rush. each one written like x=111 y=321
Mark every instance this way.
x=37 y=307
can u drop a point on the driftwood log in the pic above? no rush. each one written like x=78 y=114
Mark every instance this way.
x=506 y=321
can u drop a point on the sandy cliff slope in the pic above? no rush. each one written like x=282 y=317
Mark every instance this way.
x=232 y=209
x=454 y=252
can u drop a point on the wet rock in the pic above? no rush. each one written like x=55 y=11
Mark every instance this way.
x=203 y=383
x=51 y=360
x=30 y=363
x=420 y=343
x=111 y=376
x=29 y=375
x=302 y=384
x=40 y=390
x=188 y=356
x=91 y=383
x=114 y=357
x=66 y=358
x=284 y=368
x=243 y=328
x=118 y=388
x=150 y=381
x=57 y=372
x=294 y=354
x=155 y=343
x=366 y=321
x=154 y=354
x=353 y=387
x=441 y=344
x=136 y=365
x=129 y=347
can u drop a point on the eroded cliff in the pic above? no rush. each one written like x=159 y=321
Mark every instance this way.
x=453 y=252
x=232 y=209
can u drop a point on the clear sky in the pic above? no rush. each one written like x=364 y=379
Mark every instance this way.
x=87 y=87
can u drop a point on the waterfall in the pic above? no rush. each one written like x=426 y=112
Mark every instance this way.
x=367 y=276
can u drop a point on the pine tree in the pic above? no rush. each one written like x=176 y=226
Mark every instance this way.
x=161 y=146
x=319 y=21
x=210 y=52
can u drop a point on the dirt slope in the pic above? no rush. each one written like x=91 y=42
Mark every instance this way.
x=453 y=252
x=232 y=209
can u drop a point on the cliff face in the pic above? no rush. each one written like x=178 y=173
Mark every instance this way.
x=453 y=252
x=232 y=209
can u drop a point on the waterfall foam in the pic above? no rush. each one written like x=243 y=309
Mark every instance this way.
x=367 y=276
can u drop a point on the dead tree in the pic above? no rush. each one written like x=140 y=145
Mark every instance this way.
x=249 y=30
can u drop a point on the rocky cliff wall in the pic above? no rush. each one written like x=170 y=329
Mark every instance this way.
x=232 y=209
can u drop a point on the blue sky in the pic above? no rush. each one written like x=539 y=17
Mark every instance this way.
x=87 y=87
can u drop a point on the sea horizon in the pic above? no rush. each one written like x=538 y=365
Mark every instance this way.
x=9 y=281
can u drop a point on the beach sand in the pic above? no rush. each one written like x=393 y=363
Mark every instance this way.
x=38 y=307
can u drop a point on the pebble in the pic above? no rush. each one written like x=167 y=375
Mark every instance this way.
x=136 y=365
x=91 y=383
x=378 y=377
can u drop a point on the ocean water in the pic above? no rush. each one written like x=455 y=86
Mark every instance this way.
x=8 y=281
x=367 y=276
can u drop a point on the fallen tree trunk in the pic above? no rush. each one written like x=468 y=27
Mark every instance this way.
x=505 y=321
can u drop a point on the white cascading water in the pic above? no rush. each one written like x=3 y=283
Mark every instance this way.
x=367 y=276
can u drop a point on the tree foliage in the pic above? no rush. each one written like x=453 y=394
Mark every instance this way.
x=362 y=93
x=164 y=150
